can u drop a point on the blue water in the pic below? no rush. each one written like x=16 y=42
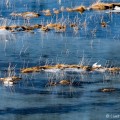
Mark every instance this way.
x=32 y=98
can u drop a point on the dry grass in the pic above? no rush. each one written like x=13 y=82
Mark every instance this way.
x=4 y=28
x=80 y=9
x=26 y=14
x=103 y=24
x=64 y=82
x=47 y=12
x=30 y=14
x=64 y=66
x=103 y=6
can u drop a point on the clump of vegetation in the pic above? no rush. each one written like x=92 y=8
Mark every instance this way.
x=26 y=14
x=103 y=6
x=80 y=9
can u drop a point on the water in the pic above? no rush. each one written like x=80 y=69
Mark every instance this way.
x=32 y=97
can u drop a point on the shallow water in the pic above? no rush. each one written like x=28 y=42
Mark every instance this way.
x=32 y=97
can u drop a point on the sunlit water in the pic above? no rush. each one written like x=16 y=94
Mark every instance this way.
x=32 y=98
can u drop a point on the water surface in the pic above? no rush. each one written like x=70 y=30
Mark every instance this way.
x=32 y=98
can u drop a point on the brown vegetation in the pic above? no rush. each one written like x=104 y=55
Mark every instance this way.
x=47 y=12
x=4 y=28
x=45 y=28
x=103 y=6
x=13 y=78
x=64 y=82
x=103 y=24
x=26 y=14
x=80 y=9
x=31 y=69
x=30 y=14
x=64 y=66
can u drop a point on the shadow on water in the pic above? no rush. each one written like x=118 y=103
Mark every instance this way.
x=54 y=109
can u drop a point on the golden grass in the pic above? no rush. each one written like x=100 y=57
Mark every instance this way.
x=30 y=14
x=80 y=9
x=64 y=82
x=51 y=25
x=37 y=26
x=45 y=28
x=30 y=70
x=4 y=28
x=103 y=6
x=64 y=66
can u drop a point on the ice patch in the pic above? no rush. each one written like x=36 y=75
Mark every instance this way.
x=95 y=65
x=117 y=8
x=4 y=32
x=8 y=81
x=52 y=70
x=100 y=70
x=73 y=70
